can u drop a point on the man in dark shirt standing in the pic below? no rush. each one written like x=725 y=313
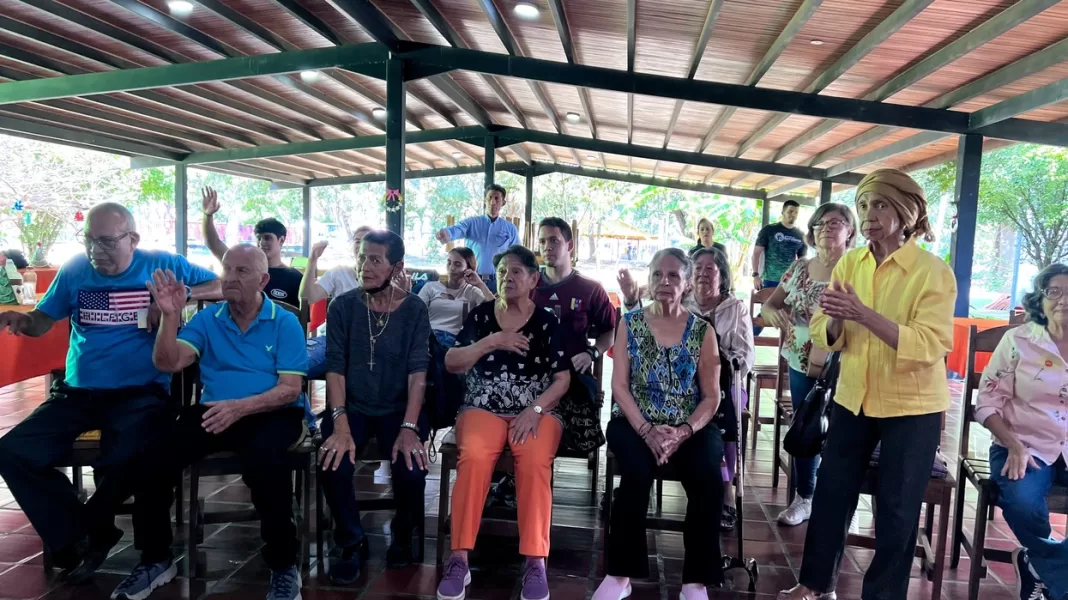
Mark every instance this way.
x=585 y=312
x=284 y=283
x=377 y=354
x=777 y=246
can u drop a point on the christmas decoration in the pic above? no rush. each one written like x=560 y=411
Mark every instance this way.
x=18 y=205
x=78 y=216
x=393 y=201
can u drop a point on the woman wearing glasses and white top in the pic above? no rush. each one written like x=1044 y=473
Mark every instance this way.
x=832 y=230
x=1022 y=402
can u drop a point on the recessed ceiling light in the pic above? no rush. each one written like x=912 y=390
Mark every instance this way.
x=379 y=113
x=309 y=76
x=816 y=42
x=180 y=7
x=573 y=117
x=457 y=154
x=591 y=157
x=526 y=10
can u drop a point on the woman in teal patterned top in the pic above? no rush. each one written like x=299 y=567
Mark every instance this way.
x=665 y=385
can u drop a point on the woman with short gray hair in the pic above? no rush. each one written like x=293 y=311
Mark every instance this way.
x=665 y=384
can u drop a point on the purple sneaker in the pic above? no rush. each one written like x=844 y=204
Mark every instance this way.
x=454 y=583
x=535 y=585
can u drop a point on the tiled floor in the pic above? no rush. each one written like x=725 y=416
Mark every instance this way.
x=233 y=570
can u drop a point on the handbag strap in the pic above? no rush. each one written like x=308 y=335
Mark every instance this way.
x=830 y=369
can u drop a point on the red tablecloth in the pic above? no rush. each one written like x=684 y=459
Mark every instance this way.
x=23 y=357
x=958 y=358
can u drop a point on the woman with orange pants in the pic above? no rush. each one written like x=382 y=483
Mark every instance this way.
x=510 y=351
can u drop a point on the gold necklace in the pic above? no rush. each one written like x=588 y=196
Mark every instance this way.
x=382 y=323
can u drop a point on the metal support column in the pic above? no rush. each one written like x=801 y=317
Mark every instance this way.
x=765 y=212
x=181 y=210
x=490 y=158
x=528 y=210
x=969 y=163
x=306 y=196
x=825 y=191
x=395 y=113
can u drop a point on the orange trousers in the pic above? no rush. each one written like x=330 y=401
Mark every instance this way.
x=480 y=439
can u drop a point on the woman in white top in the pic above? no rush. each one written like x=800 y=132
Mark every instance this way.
x=449 y=302
x=712 y=299
x=832 y=230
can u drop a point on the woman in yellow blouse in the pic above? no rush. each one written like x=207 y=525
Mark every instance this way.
x=889 y=310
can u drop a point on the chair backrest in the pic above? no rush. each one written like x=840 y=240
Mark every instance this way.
x=978 y=341
x=758 y=298
x=1017 y=317
x=421 y=276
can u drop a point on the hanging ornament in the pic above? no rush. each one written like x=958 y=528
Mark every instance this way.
x=18 y=205
x=393 y=201
x=27 y=218
x=78 y=216
x=953 y=224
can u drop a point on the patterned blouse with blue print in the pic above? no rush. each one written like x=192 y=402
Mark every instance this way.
x=664 y=381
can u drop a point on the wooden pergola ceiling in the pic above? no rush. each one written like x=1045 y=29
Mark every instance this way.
x=996 y=67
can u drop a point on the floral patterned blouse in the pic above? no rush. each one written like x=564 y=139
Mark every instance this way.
x=503 y=382
x=802 y=298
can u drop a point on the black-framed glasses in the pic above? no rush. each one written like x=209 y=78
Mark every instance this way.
x=104 y=241
x=1053 y=293
x=830 y=224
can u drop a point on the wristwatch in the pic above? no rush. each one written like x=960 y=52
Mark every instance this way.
x=537 y=409
x=188 y=294
x=756 y=274
x=337 y=412
x=594 y=353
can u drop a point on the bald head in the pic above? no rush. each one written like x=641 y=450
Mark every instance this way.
x=244 y=273
x=113 y=211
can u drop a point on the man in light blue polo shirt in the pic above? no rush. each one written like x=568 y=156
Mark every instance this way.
x=110 y=384
x=252 y=360
x=487 y=235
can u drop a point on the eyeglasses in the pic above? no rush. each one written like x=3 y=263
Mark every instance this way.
x=105 y=242
x=830 y=224
x=1053 y=293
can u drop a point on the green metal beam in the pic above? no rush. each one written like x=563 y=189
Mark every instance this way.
x=647 y=180
x=99 y=141
x=365 y=58
x=411 y=174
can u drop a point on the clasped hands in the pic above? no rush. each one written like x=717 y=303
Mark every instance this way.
x=840 y=301
x=664 y=440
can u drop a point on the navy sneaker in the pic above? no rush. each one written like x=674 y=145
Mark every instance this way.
x=144 y=579
x=1028 y=585
x=345 y=562
x=285 y=585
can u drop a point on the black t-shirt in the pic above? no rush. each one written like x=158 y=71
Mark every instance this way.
x=284 y=285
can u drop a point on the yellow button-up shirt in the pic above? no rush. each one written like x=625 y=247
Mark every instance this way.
x=916 y=290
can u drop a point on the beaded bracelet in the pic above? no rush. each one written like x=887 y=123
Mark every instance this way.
x=644 y=430
x=687 y=424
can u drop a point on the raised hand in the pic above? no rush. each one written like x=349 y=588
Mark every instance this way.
x=168 y=292
x=840 y=301
x=318 y=249
x=442 y=236
x=628 y=286
x=209 y=201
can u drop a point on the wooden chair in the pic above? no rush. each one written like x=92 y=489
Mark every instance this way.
x=976 y=471
x=761 y=376
x=784 y=417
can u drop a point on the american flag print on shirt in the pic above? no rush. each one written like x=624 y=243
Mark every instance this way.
x=115 y=307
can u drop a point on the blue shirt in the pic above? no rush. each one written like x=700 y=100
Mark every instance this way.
x=486 y=238
x=108 y=349
x=235 y=364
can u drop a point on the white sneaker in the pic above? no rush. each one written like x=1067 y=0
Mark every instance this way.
x=797 y=513
x=382 y=473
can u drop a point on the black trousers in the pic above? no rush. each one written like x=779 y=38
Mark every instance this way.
x=697 y=464
x=130 y=420
x=261 y=442
x=908 y=449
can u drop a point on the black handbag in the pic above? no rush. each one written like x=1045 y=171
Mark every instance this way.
x=809 y=429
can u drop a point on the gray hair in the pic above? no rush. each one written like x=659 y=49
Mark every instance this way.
x=116 y=209
x=687 y=265
x=824 y=210
x=258 y=258
x=1032 y=301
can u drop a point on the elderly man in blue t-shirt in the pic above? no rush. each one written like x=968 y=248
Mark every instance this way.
x=252 y=361
x=110 y=385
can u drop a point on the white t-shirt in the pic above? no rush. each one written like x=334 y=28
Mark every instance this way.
x=339 y=280
x=447 y=306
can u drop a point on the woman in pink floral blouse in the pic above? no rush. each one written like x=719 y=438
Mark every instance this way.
x=1021 y=401
x=832 y=230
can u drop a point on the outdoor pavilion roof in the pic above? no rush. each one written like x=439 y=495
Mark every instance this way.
x=966 y=55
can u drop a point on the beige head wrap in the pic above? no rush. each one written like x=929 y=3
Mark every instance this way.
x=905 y=195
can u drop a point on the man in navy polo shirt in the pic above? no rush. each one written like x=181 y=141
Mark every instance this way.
x=252 y=360
x=110 y=385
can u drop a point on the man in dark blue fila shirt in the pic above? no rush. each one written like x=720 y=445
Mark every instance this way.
x=110 y=385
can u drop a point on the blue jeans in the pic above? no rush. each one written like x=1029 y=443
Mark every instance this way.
x=408 y=485
x=316 y=357
x=1023 y=502
x=804 y=468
